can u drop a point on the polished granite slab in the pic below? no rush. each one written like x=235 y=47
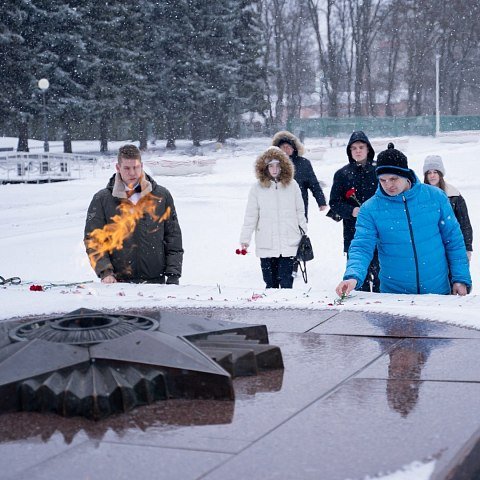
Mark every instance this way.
x=391 y=392
x=314 y=365
x=448 y=360
x=357 y=431
x=331 y=322
x=276 y=320
x=379 y=324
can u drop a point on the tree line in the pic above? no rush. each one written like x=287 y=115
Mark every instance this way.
x=192 y=68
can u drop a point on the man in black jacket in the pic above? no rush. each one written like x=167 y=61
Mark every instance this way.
x=132 y=232
x=352 y=185
x=304 y=174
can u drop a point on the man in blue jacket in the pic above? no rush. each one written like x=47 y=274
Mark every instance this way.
x=420 y=245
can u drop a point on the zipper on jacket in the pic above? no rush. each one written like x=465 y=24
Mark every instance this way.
x=413 y=243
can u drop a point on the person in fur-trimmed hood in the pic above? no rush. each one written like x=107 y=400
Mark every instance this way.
x=434 y=173
x=274 y=211
x=304 y=174
x=150 y=250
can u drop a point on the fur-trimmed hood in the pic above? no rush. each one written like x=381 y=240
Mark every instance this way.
x=451 y=191
x=286 y=166
x=286 y=136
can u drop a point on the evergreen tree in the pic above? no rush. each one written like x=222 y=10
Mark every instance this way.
x=18 y=101
x=59 y=52
x=173 y=69
x=112 y=49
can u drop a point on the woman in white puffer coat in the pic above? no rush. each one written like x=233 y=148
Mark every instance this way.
x=275 y=211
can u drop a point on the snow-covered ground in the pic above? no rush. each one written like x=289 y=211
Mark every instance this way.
x=42 y=230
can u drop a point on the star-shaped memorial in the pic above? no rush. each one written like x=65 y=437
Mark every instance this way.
x=92 y=364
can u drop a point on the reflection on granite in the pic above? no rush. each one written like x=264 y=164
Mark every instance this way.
x=25 y=425
x=161 y=415
x=403 y=378
x=354 y=434
x=263 y=382
x=276 y=320
x=379 y=324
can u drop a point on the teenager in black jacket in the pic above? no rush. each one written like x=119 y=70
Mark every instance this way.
x=352 y=185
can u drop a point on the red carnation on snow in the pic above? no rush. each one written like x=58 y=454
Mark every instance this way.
x=243 y=251
x=351 y=194
x=36 y=288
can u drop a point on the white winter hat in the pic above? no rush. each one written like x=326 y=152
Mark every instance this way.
x=433 y=162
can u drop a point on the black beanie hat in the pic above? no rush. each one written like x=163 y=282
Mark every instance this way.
x=393 y=161
x=287 y=140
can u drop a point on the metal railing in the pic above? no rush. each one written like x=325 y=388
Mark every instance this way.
x=382 y=126
x=22 y=167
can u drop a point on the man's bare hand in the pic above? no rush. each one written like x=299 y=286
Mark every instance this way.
x=355 y=212
x=109 y=279
x=345 y=287
x=459 y=289
x=322 y=208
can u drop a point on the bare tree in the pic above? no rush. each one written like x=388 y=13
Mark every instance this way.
x=265 y=13
x=298 y=69
x=366 y=20
x=458 y=47
x=421 y=39
x=394 y=32
x=330 y=48
x=278 y=27
x=286 y=58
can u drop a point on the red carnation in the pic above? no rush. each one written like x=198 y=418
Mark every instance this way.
x=351 y=194
x=36 y=288
x=243 y=251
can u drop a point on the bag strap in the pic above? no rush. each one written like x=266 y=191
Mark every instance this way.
x=304 y=271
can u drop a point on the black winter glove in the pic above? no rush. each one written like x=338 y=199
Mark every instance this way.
x=172 y=280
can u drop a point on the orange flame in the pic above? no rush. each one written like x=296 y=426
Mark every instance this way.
x=111 y=237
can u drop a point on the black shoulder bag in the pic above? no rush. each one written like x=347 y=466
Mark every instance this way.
x=304 y=253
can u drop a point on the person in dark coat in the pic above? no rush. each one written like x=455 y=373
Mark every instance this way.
x=434 y=173
x=304 y=174
x=132 y=232
x=353 y=185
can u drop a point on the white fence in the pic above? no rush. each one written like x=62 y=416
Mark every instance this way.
x=459 y=136
x=21 y=167
x=180 y=166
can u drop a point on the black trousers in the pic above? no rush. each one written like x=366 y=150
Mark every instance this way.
x=277 y=271
x=372 y=276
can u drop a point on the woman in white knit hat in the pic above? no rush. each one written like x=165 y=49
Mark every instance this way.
x=434 y=173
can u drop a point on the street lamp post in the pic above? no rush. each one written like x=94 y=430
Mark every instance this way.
x=437 y=94
x=43 y=85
